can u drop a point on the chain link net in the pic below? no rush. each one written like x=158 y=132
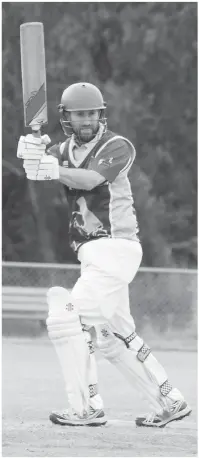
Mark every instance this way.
x=166 y=298
x=40 y=276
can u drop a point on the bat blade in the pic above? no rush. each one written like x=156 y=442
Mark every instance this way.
x=33 y=70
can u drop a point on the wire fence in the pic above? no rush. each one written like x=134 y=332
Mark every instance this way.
x=165 y=297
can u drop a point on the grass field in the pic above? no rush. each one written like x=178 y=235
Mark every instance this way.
x=33 y=386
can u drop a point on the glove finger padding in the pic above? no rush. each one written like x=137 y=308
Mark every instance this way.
x=30 y=154
x=45 y=139
x=45 y=169
x=42 y=140
x=31 y=146
x=37 y=177
x=28 y=162
x=41 y=176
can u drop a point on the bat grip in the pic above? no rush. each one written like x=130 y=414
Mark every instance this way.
x=36 y=130
x=36 y=133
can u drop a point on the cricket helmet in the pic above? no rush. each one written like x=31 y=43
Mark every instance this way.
x=80 y=97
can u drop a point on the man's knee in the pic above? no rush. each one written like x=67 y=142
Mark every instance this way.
x=136 y=344
x=63 y=320
x=108 y=344
x=112 y=344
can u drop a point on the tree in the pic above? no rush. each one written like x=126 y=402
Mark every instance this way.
x=143 y=56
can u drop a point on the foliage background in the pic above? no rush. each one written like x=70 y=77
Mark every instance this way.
x=143 y=56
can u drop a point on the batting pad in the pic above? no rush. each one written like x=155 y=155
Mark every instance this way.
x=96 y=401
x=144 y=373
x=65 y=332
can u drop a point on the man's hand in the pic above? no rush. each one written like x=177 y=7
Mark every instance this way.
x=31 y=147
x=46 y=168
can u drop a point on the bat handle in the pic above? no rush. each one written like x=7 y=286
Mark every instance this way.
x=36 y=130
x=36 y=133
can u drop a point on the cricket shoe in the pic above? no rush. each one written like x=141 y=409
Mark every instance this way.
x=68 y=418
x=176 y=411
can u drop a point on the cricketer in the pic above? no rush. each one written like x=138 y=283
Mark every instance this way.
x=93 y=166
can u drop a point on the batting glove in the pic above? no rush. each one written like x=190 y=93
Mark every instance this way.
x=47 y=168
x=31 y=147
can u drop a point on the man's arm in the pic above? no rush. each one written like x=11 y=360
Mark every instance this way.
x=80 y=178
x=117 y=156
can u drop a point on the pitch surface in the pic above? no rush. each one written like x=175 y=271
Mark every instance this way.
x=33 y=386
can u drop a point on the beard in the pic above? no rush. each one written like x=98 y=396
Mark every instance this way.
x=85 y=134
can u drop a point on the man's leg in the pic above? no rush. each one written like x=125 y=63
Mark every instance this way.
x=120 y=344
x=95 y=400
x=103 y=285
x=72 y=348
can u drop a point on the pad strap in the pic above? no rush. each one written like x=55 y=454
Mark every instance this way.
x=143 y=352
x=126 y=340
x=93 y=390
x=165 y=388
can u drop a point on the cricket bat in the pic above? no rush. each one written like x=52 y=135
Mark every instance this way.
x=33 y=72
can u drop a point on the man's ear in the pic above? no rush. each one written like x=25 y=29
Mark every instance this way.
x=67 y=115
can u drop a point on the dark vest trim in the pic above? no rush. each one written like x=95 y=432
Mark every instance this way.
x=105 y=137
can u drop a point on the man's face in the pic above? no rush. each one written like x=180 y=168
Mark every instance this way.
x=85 y=124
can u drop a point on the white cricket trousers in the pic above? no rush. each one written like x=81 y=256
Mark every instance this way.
x=101 y=293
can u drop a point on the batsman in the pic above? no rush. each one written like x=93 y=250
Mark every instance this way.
x=93 y=165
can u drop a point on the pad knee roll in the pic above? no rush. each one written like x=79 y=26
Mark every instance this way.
x=108 y=344
x=112 y=344
x=63 y=321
